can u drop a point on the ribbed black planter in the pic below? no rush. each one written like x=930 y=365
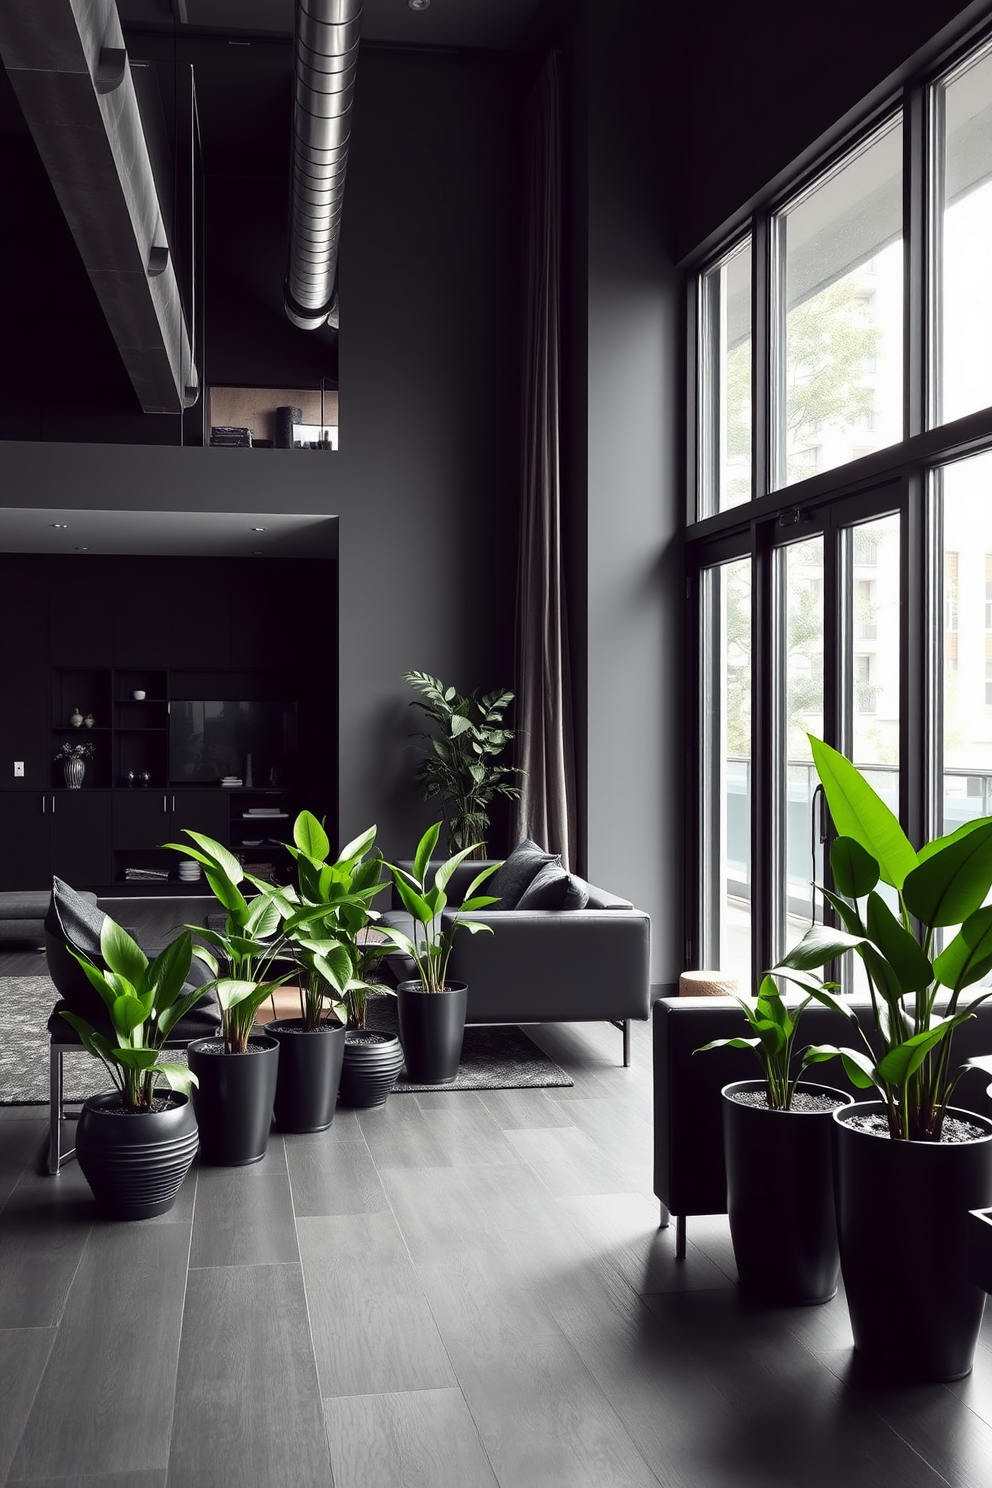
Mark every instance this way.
x=432 y=1027
x=234 y=1099
x=902 y=1218
x=372 y=1060
x=309 y=1074
x=135 y=1163
x=780 y=1196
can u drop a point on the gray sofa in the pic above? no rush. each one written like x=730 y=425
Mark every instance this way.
x=22 y=914
x=547 y=965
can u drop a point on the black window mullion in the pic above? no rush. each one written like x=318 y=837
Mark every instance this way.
x=915 y=217
x=915 y=750
x=763 y=713
x=761 y=356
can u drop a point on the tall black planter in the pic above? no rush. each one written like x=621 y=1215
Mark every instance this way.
x=780 y=1196
x=902 y=1216
x=309 y=1074
x=372 y=1060
x=234 y=1099
x=432 y=1027
x=135 y=1164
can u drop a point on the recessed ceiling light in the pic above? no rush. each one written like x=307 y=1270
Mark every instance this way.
x=418 y=4
x=59 y=526
x=80 y=550
x=259 y=529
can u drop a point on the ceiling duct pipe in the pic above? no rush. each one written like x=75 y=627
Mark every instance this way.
x=326 y=56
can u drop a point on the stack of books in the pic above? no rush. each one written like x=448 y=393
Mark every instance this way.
x=230 y=436
x=154 y=875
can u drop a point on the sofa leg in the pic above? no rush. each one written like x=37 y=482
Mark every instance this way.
x=680 y=1238
x=56 y=1157
x=624 y=1027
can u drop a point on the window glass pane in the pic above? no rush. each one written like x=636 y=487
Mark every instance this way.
x=725 y=383
x=870 y=667
x=965 y=688
x=962 y=379
x=726 y=669
x=840 y=257
x=800 y=591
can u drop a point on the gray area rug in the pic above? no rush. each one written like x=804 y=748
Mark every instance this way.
x=497 y=1058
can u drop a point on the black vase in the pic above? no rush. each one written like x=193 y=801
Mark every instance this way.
x=432 y=1027
x=135 y=1163
x=372 y=1060
x=234 y=1099
x=780 y=1196
x=309 y=1074
x=902 y=1219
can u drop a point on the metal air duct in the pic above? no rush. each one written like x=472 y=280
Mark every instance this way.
x=326 y=56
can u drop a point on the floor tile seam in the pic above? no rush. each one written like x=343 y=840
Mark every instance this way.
x=182 y=1322
x=244 y=1266
x=29 y=1408
x=446 y=1389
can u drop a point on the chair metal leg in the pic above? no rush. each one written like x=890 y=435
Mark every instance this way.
x=626 y=1043
x=680 y=1238
x=56 y=1156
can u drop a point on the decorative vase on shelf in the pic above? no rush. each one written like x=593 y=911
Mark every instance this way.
x=145 y=777
x=76 y=718
x=74 y=770
x=89 y=720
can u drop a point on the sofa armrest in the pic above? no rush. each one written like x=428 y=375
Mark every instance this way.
x=543 y=966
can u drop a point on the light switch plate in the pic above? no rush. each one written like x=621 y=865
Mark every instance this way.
x=18 y=767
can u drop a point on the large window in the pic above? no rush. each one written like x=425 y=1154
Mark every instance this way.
x=842 y=527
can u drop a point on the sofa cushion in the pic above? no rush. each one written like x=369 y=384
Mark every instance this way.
x=517 y=873
x=547 y=890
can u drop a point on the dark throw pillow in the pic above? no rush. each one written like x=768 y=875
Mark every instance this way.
x=517 y=873
x=547 y=890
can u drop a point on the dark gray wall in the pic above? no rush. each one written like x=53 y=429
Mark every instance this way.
x=425 y=483
x=758 y=85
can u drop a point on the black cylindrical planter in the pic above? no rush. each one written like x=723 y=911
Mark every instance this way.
x=234 y=1099
x=902 y=1217
x=432 y=1026
x=780 y=1196
x=372 y=1060
x=286 y=417
x=135 y=1163
x=309 y=1073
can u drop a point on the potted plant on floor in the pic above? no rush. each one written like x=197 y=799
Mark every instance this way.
x=236 y=1072
x=909 y=1165
x=135 y=1144
x=432 y=1009
x=777 y=1134
x=324 y=916
x=460 y=765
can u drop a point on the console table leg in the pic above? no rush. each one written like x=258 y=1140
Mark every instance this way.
x=680 y=1238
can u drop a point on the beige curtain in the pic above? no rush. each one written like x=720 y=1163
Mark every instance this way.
x=546 y=809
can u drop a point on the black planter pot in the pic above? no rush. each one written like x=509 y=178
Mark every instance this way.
x=135 y=1163
x=780 y=1196
x=372 y=1060
x=234 y=1099
x=432 y=1027
x=309 y=1074
x=902 y=1217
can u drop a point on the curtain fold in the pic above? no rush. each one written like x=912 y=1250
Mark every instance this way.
x=546 y=810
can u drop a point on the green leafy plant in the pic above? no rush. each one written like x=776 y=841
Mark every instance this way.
x=239 y=957
x=326 y=920
x=915 y=991
x=145 y=1001
x=433 y=935
x=460 y=766
x=775 y=1024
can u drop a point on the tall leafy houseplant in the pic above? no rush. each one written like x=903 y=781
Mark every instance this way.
x=135 y=1147
x=916 y=990
x=432 y=1009
x=460 y=765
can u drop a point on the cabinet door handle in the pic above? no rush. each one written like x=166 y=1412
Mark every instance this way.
x=164 y=806
x=173 y=805
x=44 y=804
x=53 y=805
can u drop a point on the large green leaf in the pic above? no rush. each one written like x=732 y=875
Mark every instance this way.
x=857 y=1066
x=122 y=952
x=900 y=948
x=855 y=871
x=859 y=812
x=222 y=856
x=952 y=883
x=425 y=848
x=310 y=837
x=846 y=913
x=937 y=844
x=899 y=1063
x=819 y=945
x=357 y=847
x=178 y=1076
x=968 y=957
x=136 y=1059
x=414 y=902
x=228 y=894
x=170 y=970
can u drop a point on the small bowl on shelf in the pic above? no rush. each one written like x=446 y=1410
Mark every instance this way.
x=138 y=695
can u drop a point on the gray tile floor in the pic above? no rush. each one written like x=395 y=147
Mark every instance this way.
x=458 y=1289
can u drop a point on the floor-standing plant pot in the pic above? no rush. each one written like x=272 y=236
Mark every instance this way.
x=309 y=1073
x=234 y=1099
x=432 y=1027
x=135 y=1162
x=780 y=1192
x=902 y=1217
x=372 y=1060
